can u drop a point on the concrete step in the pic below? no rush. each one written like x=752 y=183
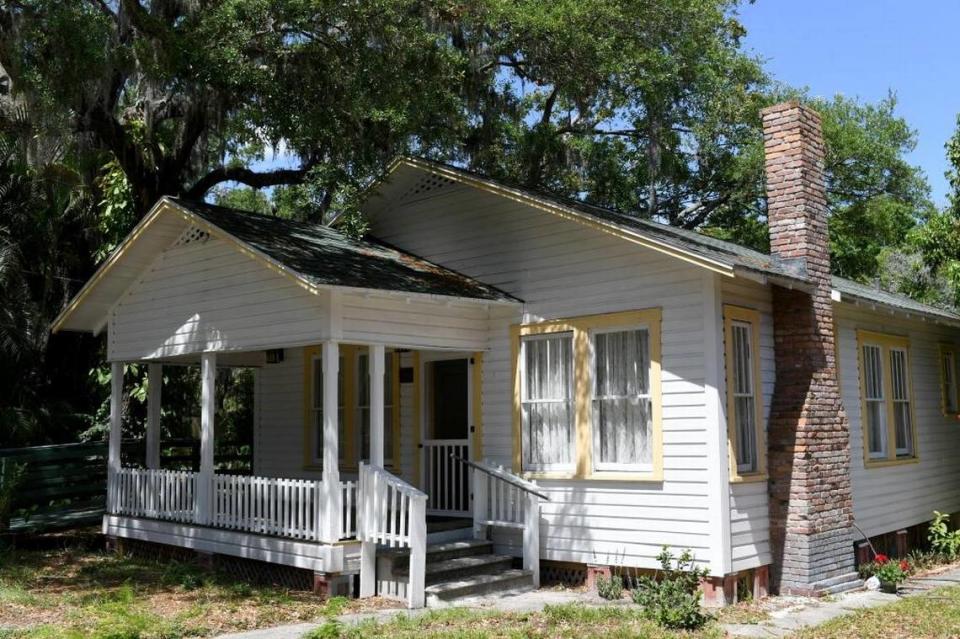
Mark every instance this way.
x=439 y=552
x=504 y=582
x=460 y=568
x=451 y=534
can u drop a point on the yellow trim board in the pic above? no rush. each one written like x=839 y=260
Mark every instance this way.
x=417 y=418
x=581 y=328
x=951 y=351
x=477 y=392
x=886 y=342
x=732 y=314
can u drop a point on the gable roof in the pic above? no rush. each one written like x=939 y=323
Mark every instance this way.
x=719 y=255
x=314 y=255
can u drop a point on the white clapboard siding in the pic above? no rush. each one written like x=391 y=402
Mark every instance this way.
x=749 y=508
x=562 y=269
x=890 y=498
x=208 y=296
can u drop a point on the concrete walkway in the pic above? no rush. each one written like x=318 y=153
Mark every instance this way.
x=813 y=612
x=796 y=614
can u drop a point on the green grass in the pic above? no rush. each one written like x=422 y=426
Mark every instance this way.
x=929 y=616
x=76 y=594
x=571 y=621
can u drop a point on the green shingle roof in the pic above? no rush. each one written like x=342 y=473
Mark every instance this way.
x=326 y=257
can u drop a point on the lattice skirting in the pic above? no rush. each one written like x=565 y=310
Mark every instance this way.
x=249 y=570
x=555 y=573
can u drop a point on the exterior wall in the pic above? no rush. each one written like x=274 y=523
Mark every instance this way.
x=749 y=504
x=278 y=429
x=562 y=269
x=889 y=498
x=208 y=296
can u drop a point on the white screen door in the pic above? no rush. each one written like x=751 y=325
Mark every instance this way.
x=447 y=410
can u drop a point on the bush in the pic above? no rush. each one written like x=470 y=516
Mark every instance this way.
x=942 y=539
x=673 y=600
x=12 y=476
x=611 y=588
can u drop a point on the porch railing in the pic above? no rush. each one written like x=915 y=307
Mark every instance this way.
x=392 y=513
x=446 y=478
x=292 y=508
x=502 y=499
x=157 y=494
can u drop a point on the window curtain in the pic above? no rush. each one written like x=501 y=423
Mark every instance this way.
x=622 y=406
x=547 y=401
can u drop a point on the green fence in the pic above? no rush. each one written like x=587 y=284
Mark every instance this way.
x=65 y=485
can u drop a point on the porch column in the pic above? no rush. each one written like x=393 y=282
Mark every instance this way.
x=154 y=386
x=113 y=445
x=208 y=377
x=377 y=365
x=328 y=528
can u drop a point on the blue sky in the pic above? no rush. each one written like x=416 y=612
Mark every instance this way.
x=865 y=48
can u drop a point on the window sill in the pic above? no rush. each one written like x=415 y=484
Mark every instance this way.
x=595 y=476
x=748 y=478
x=882 y=463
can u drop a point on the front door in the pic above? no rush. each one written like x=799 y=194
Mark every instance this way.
x=446 y=437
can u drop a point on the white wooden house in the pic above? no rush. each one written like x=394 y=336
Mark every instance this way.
x=609 y=380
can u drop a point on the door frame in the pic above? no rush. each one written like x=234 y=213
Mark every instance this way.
x=426 y=358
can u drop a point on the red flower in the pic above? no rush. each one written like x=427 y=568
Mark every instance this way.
x=881 y=558
x=904 y=566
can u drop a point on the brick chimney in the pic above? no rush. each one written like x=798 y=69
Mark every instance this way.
x=811 y=508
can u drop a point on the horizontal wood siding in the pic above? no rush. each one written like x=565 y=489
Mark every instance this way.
x=562 y=269
x=749 y=508
x=207 y=296
x=889 y=498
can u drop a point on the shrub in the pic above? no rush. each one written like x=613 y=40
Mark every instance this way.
x=673 y=600
x=611 y=588
x=12 y=476
x=942 y=539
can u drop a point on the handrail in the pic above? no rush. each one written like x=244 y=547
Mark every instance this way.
x=400 y=484
x=503 y=475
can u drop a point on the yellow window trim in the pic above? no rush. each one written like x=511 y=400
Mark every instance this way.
x=581 y=327
x=886 y=341
x=948 y=349
x=733 y=314
x=349 y=353
x=417 y=418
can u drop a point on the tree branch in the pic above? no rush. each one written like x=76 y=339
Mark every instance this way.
x=247 y=177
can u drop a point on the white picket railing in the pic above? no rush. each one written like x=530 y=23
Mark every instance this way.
x=393 y=513
x=447 y=480
x=266 y=505
x=291 y=508
x=502 y=499
x=348 y=522
x=157 y=494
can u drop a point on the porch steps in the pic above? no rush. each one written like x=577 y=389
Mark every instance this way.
x=460 y=569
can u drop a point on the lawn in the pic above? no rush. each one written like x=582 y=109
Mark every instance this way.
x=75 y=594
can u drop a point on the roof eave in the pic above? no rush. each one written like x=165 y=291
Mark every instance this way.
x=840 y=297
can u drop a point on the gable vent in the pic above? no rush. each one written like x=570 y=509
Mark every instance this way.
x=192 y=235
x=426 y=186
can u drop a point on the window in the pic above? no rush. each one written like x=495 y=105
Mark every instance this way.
x=363 y=407
x=948 y=381
x=622 y=426
x=547 y=401
x=744 y=400
x=888 y=428
x=587 y=397
x=317 y=410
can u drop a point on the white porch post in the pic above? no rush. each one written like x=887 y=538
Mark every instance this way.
x=113 y=446
x=329 y=526
x=377 y=367
x=154 y=386
x=203 y=513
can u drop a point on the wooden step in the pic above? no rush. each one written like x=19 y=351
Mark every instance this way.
x=439 y=552
x=502 y=583
x=461 y=567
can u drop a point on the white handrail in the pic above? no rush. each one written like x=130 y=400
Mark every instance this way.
x=157 y=494
x=504 y=500
x=392 y=513
x=266 y=505
x=348 y=522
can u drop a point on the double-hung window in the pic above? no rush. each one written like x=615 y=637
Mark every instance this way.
x=546 y=389
x=744 y=400
x=889 y=431
x=948 y=381
x=588 y=397
x=622 y=405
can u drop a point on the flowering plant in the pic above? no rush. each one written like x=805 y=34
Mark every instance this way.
x=890 y=572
